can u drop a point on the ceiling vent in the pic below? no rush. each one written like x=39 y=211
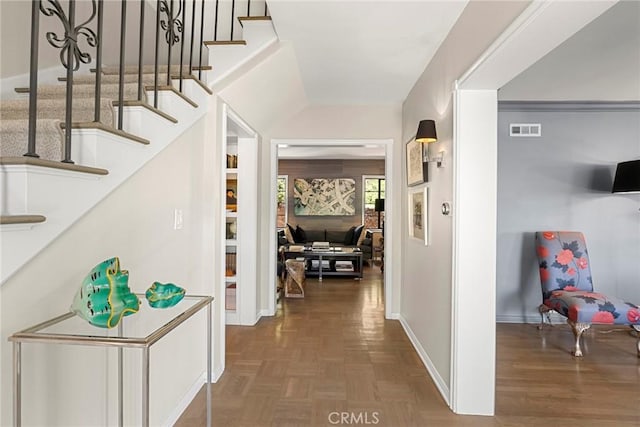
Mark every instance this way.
x=525 y=129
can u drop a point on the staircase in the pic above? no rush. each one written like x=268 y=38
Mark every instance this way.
x=140 y=110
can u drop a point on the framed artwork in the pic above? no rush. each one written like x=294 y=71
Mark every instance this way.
x=232 y=195
x=417 y=168
x=418 y=214
x=322 y=196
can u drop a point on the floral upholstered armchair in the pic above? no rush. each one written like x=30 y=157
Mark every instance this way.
x=567 y=287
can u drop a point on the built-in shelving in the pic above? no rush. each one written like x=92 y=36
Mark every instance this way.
x=239 y=179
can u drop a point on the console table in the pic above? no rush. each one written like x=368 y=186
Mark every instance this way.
x=130 y=333
x=332 y=255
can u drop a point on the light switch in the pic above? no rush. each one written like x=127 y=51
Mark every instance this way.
x=177 y=219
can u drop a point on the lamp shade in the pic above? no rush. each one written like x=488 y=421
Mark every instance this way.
x=627 y=179
x=426 y=132
x=379 y=205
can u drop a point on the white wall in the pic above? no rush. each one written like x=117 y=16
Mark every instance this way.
x=426 y=270
x=566 y=176
x=67 y=385
x=269 y=92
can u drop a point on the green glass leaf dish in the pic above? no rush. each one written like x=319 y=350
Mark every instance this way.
x=164 y=295
x=104 y=297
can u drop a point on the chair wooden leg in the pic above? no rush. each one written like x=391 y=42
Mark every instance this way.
x=578 y=329
x=544 y=310
x=637 y=328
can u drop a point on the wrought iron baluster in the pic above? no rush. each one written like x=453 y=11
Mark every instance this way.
x=201 y=40
x=99 y=61
x=265 y=9
x=168 y=36
x=173 y=28
x=215 y=24
x=71 y=55
x=155 y=72
x=141 y=50
x=72 y=34
x=248 y=7
x=193 y=22
x=182 y=43
x=69 y=96
x=233 y=11
x=33 y=78
x=123 y=27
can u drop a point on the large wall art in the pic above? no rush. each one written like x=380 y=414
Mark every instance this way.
x=320 y=196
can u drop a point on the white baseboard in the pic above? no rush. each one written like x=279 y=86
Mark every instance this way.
x=217 y=373
x=528 y=318
x=394 y=316
x=442 y=386
x=186 y=400
x=266 y=313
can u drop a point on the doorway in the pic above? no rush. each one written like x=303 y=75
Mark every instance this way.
x=330 y=149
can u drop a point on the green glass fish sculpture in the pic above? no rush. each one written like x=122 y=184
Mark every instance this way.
x=104 y=296
x=164 y=295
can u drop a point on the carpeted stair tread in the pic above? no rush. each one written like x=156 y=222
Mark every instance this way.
x=130 y=91
x=15 y=137
x=149 y=69
x=115 y=79
x=82 y=111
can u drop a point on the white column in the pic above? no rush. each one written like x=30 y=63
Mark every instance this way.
x=474 y=252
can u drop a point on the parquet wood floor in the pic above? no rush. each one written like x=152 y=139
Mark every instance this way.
x=333 y=352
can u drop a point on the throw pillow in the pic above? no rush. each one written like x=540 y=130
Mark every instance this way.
x=288 y=235
x=348 y=237
x=356 y=234
x=293 y=231
x=301 y=236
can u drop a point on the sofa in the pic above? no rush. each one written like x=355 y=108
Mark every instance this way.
x=355 y=236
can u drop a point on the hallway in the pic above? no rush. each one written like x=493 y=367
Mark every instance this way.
x=332 y=355
x=330 y=352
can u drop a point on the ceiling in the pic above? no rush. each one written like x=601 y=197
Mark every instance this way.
x=363 y=52
x=370 y=42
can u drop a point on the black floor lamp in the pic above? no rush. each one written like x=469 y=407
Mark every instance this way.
x=379 y=208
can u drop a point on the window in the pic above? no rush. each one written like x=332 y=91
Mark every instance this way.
x=373 y=188
x=281 y=203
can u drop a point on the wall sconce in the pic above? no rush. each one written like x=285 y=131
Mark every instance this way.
x=627 y=179
x=426 y=135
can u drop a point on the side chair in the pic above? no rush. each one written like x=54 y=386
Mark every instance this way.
x=567 y=287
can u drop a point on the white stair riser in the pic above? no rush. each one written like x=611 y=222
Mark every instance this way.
x=35 y=189
x=94 y=147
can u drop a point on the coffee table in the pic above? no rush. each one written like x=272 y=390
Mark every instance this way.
x=332 y=254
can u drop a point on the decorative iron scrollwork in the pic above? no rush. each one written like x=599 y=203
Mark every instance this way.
x=71 y=35
x=173 y=25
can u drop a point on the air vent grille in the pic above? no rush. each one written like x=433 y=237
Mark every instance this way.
x=525 y=129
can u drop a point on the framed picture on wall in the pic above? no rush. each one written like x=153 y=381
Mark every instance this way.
x=419 y=214
x=417 y=168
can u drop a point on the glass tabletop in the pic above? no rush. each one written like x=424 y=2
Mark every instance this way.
x=140 y=329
